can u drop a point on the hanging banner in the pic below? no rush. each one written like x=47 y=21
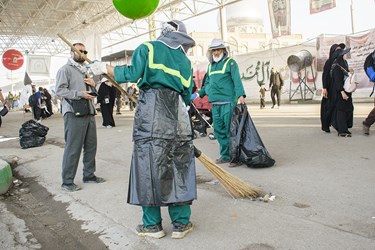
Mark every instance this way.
x=317 y=6
x=323 y=45
x=279 y=12
x=361 y=46
x=27 y=80
x=39 y=65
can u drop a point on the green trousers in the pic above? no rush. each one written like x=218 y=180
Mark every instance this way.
x=179 y=214
x=222 y=115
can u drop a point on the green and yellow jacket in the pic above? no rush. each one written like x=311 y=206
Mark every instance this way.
x=223 y=82
x=155 y=65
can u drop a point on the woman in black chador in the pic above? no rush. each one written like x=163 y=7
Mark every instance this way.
x=344 y=103
x=106 y=98
x=329 y=93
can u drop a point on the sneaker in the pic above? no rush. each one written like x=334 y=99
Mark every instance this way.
x=70 y=187
x=221 y=160
x=180 y=230
x=108 y=126
x=155 y=231
x=365 y=129
x=94 y=179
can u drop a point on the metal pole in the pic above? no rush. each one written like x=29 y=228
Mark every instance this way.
x=352 y=15
x=223 y=23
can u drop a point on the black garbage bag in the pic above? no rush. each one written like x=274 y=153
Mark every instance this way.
x=245 y=145
x=32 y=134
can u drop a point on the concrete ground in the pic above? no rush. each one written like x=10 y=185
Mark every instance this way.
x=323 y=184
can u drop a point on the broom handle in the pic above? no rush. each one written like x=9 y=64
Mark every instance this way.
x=106 y=75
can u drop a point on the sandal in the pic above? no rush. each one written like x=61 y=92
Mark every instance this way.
x=344 y=135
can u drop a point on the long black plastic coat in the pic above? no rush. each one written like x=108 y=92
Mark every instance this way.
x=245 y=145
x=163 y=166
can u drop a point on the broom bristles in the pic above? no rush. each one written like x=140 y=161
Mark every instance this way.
x=236 y=187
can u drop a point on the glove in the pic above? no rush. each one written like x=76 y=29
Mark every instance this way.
x=98 y=68
x=193 y=97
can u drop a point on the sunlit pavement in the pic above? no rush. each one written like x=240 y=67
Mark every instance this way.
x=324 y=185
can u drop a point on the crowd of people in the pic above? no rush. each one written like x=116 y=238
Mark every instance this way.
x=337 y=104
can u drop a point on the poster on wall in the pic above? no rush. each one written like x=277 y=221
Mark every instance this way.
x=255 y=70
x=279 y=12
x=39 y=65
x=317 y=6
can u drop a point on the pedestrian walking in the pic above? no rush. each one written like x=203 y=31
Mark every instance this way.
x=262 y=96
x=106 y=98
x=276 y=83
x=370 y=71
x=328 y=92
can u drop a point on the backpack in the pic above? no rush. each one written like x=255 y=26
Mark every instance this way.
x=369 y=62
x=32 y=100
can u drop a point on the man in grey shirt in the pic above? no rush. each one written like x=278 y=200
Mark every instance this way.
x=73 y=83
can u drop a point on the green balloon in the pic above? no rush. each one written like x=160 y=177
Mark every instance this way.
x=135 y=9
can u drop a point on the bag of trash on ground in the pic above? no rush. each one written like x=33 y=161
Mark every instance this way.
x=245 y=145
x=32 y=134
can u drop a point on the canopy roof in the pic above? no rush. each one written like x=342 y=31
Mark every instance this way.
x=31 y=26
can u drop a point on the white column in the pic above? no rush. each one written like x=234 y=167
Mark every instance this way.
x=223 y=24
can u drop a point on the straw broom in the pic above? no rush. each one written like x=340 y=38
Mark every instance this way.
x=236 y=187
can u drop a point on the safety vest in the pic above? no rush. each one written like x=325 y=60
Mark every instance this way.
x=158 y=66
x=222 y=71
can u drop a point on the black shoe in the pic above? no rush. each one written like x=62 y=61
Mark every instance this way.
x=180 y=230
x=327 y=130
x=70 y=187
x=155 y=231
x=94 y=179
x=345 y=134
x=221 y=161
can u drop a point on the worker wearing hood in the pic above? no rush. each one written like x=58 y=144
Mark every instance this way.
x=224 y=88
x=163 y=166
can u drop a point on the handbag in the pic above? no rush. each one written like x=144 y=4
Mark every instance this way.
x=4 y=111
x=80 y=107
x=350 y=82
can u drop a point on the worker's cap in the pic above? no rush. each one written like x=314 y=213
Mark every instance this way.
x=216 y=44
x=178 y=26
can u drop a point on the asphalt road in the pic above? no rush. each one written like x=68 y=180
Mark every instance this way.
x=323 y=185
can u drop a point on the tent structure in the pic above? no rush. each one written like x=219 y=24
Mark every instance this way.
x=32 y=26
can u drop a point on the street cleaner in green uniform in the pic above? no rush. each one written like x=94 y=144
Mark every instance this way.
x=224 y=88
x=163 y=165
